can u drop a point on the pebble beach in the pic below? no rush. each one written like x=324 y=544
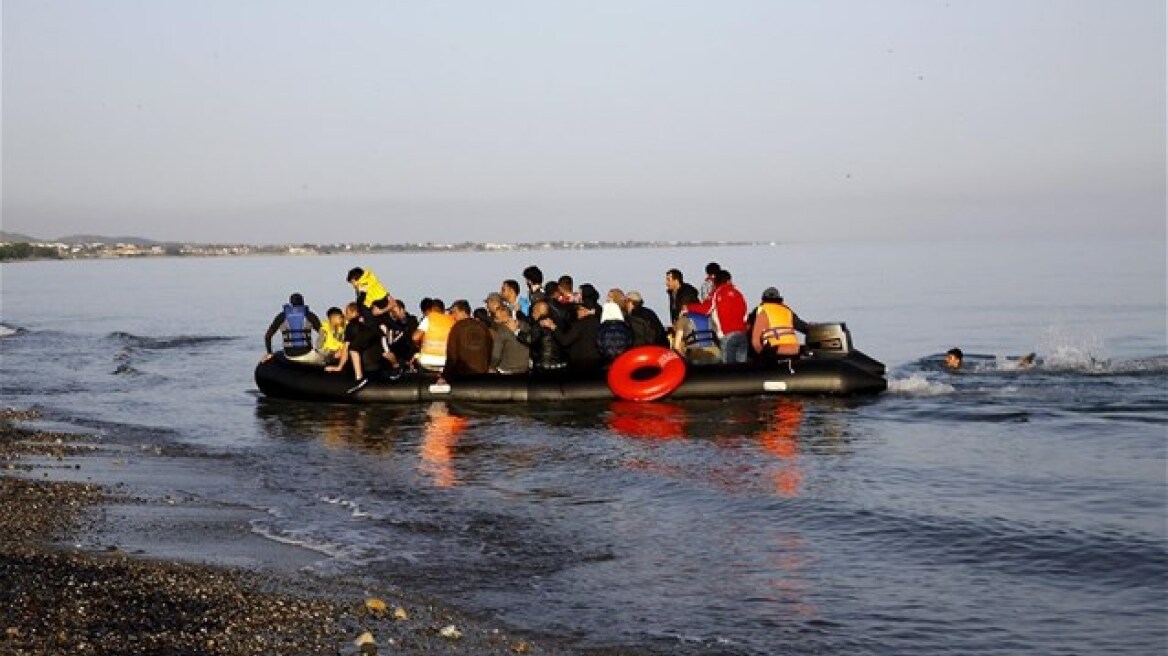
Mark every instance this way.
x=62 y=593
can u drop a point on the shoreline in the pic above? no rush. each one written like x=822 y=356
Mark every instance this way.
x=317 y=250
x=185 y=577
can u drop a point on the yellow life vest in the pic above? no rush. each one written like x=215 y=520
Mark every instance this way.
x=433 y=353
x=374 y=291
x=332 y=341
x=780 y=333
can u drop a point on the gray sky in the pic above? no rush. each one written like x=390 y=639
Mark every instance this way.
x=284 y=120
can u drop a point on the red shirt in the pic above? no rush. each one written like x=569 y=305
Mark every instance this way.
x=729 y=306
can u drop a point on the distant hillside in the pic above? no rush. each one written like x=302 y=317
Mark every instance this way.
x=16 y=238
x=98 y=239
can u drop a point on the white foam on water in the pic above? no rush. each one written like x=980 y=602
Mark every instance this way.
x=354 y=508
x=7 y=331
x=919 y=385
x=1062 y=351
x=297 y=539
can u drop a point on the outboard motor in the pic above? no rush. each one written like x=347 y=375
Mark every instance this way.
x=834 y=340
x=825 y=338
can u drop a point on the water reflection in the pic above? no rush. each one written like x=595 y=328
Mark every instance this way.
x=371 y=428
x=439 y=437
x=780 y=439
x=759 y=442
x=653 y=421
x=771 y=426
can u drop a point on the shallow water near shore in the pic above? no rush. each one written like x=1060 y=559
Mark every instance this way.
x=995 y=510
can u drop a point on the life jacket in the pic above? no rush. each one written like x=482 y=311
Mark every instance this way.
x=296 y=329
x=372 y=288
x=433 y=353
x=702 y=335
x=331 y=341
x=780 y=333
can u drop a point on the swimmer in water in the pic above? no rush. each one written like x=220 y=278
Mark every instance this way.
x=953 y=359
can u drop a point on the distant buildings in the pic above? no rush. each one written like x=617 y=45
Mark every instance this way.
x=10 y=251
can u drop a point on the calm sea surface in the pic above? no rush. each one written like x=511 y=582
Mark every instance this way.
x=991 y=511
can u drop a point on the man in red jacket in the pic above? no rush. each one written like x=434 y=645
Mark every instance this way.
x=727 y=307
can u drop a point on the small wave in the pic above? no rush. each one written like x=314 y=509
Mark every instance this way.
x=352 y=506
x=9 y=331
x=918 y=385
x=296 y=540
x=162 y=343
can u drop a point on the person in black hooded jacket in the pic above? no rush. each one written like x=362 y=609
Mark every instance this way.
x=578 y=338
x=539 y=336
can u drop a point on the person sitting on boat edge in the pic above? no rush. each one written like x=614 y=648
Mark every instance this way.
x=675 y=284
x=693 y=333
x=296 y=323
x=546 y=353
x=431 y=336
x=399 y=327
x=509 y=355
x=646 y=325
x=468 y=347
x=332 y=336
x=373 y=297
x=727 y=308
x=362 y=348
x=613 y=335
x=773 y=336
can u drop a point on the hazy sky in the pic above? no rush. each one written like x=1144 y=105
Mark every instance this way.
x=282 y=120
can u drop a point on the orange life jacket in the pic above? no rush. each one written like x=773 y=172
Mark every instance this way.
x=433 y=353
x=780 y=332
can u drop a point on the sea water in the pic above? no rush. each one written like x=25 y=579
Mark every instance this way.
x=993 y=510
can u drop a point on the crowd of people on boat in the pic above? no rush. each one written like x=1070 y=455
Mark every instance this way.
x=555 y=325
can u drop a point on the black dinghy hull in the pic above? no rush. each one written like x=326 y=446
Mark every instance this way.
x=284 y=379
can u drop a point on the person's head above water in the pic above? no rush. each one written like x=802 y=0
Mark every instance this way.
x=953 y=358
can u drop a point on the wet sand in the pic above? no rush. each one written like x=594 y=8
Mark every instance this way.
x=66 y=588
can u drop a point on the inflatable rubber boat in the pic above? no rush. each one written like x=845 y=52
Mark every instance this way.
x=828 y=366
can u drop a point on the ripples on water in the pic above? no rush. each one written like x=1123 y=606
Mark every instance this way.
x=995 y=510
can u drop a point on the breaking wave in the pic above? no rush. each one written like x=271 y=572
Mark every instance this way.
x=9 y=331
x=918 y=385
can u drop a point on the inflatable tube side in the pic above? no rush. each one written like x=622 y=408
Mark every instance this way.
x=279 y=378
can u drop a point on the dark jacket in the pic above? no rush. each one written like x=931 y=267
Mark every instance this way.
x=468 y=349
x=647 y=328
x=545 y=351
x=400 y=336
x=674 y=308
x=578 y=339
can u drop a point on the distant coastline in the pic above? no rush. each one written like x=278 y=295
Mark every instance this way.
x=16 y=248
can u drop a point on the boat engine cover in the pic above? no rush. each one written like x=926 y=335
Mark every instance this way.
x=831 y=338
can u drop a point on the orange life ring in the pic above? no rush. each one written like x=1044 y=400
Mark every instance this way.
x=670 y=373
